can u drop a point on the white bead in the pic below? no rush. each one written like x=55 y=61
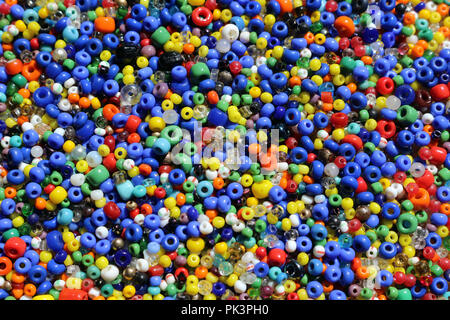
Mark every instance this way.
x=398 y=189
x=77 y=179
x=64 y=105
x=244 y=37
x=226 y=97
x=2 y=281
x=431 y=6
x=302 y=73
x=69 y=83
x=319 y=198
x=164 y=213
x=60 y=131
x=96 y=194
x=307 y=199
x=413 y=261
x=142 y=265
x=164 y=177
x=206 y=227
x=35 y=119
x=94 y=292
x=343 y=226
x=100 y=131
x=372 y=253
x=432 y=168
x=101 y=232
x=27 y=126
x=248 y=257
x=193 y=179
x=59 y=284
x=5 y=142
x=230 y=32
x=25 y=297
x=446 y=44
x=22 y=166
x=37 y=151
x=139 y=219
x=331 y=170
x=36 y=161
x=36 y=242
x=163 y=285
x=306 y=53
x=109 y=273
x=94 y=159
x=279 y=289
x=223 y=46
x=390 y=193
x=224 y=172
x=128 y=164
x=383 y=143
x=282 y=166
x=295 y=220
x=211 y=174
x=290 y=246
x=170 y=278
x=318 y=251
x=164 y=222
x=73 y=89
x=231 y=219
x=322 y=135
x=240 y=286
x=417 y=170
x=427 y=118
x=238 y=226
x=392 y=102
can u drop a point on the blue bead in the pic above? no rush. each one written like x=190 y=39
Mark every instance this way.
x=361 y=243
x=344 y=9
x=390 y=211
x=439 y=286
x=37 y=274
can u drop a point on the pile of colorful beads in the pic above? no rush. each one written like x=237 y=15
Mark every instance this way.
x=224 y=149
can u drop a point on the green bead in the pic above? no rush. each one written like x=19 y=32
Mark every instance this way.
x=428 y=54
x=296 y=90
x=316 y=27
x=365 y=19
x=171 y=289
x=371 y=235
x=436 y=270
x=87 y=260
x=377 y=187
x=234 y=176
x=186 y=9
x=11 y=298
x=119 y=164
x=407 y=223
x=446 y=243
x=92 y=68
x=107 y=290
x=11 y=88
x=188 y=186
x=223 y=105
x=19 y=80
x=353 y=128
x=56 y=178
x=293 y=168
x=134 y=249
x=407 y=31
x=253 y=37
x=246 y=72
x=255 y=168
x=69 y=64
x=271 y=62
x=421 y=216
x=421 y=24
x=260 y=225
x=173 y=134
x=93 y=272
x=77 y=256
x=246 y=99
x=392 y=293
x=9 y=55
x=183 y=252
x=335 y=200
x=407 y=205
x=364 y=115
x=348 y=63
x=189 y=198
x=21 y=194
x=11 y=233
x=86 y=189
x=445 y=136
x=426 y=35
x=54 y=293
x=247 y=232
x=398 y=80
x=310 y=222
x=366 y=293
x=406 y=115
x=382 y=231
x=444 y=173
x=404 y=294
x=236 y=99
x=199 y=72
x=369 y=147
x=97 y=175
x=406 y=61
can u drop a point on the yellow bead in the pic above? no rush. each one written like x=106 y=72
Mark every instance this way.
x=129 y=291
x=266 y=97
x=203 y=51
x=231 y=279
x=192 y=289
x=255 y=92
x=45 y=256
x=374 y=208
x=167 y=105
x=286 y=224
x=128 y=79
x=315 y=64
x=156 y=124
x=18 y=221
x=277 y=52
x=347 y=203
x=261 y=189
x=120 y=153
x=128 y=70
x=424 y=14
x=338 y=134
x=246 y=180
x=103 y=150
x=176 y=99
x=58 y=195
x=95 y=103
x=101 y=262
x=100 y=12
x=409 y=251
x=317 y=79
x=442 y=231
x=195 y=41
x=221 y=247
x=371 y=124
x=186 y=113
x=73 y=283
x=142 y=62
x=302 y=295
x=68 y=146
x=303 y=258
x=405 y=240
x=269 y=20
x=195 y=245
x=165 y=261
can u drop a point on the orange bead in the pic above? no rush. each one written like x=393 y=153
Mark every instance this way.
x=445 y=208
x=356 y=263
x=285 y=6
x=417 y=51
x=11 y=2
x=213 y=97
x=201 y=272
x=423 y=44
x=254 y=148
x=367 y=60
x=409 y=18
x=445 y=31
x=352 y=86
x=21 y=120
x=5 y=266
x=145 y=169
x=309 y=36
x=188 y=48
x=40 y=203
x=362 y=272
x=10 y=192
x=283 y=183
x=17 y=293
x=308 y=179
x=295 y=81
x=18 y=278
x=218 y=183
x=134 y=138
x=146 y=209
x=327 y=287
x=13 y=67
x=29 y=289
x=84 y=102
x=211 y=214
x=421 y=199
x=109 y=111
x=105 y=24
x=181 y=199
x=24 y=93
x=73 y=97
x=428 y=129
x=442 y=9
x=99 y=298
x=30 y=71
x=344 y=26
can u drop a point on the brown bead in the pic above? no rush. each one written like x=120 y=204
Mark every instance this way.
x=362 y=213
x=305 y=214
x=423 y=98
x=117 y=243
x=129 y=273
x=131 y=205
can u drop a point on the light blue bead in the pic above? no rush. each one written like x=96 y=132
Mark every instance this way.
x=139 y=191
x=125 y=190
x=64 y=216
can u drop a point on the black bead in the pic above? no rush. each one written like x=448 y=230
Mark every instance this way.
x=400 y=9
x=168 y=60
x=359 y=6
x=127 y=53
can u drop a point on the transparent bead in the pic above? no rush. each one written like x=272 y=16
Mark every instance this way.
x=260 y=210
x=26 y=56
x=417 y=170
x=119 y=177
x=72 y=270
x=291 y=234
x=207 y=261
x=214 y=74
x=392 y=102
x=420 y=244
x=160 y=4
x=248 y=277
x=78 y=153
x=170 y=116
x=204 y=287
x=276 y=178
x=225 y=268
x=94 y=159
x=240 y=267
x=270 y=240
x=223 y=46
x=328 y=183
x=200 y=111
x=130 y=94
x=59 y=54
x=442 y=252
x=331 y=170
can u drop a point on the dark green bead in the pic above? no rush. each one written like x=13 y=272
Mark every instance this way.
x=199 y=72
x=392 y=293
x=407 y=223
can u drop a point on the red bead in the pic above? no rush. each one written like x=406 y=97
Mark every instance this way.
x=356 y=41
x=160 y=193
x=34 y=43
x=172 y=255
x=164 y=169
x=362 y=185
x=339 y=120
x=426 y=180
x=429 y=296
x=340 y=162
x=293 y=296
x=49 y=188
x=432 y=191
x=110 y=142
x=261 y=252
x=291 y=186
x=438 y=155
x=412 y=188
x=211 y=4
x=399 y=277
x=145 y=42
x=370 y=90
x=429 y=253
x=235 y=67
x=277 y=257
x=181 y=273
x=111 y=210
x=5 y=8
x=354 y=140
x=385 y=85
x=202 y=16
x=133 y=123
x=410 y=280
x=399 y=176
x=354 y=225
x=344 y=43
x=331 y=6
x=110 y=162
x=440 y=92
x=311 y=157
x=291 y=142
x=386 y=129
x=73 y=294
x=87 y=284
x=360 y=50
x=15 y=247
x=425 y=153
x=134 y=213
x=157 y=270
x=444 y=263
